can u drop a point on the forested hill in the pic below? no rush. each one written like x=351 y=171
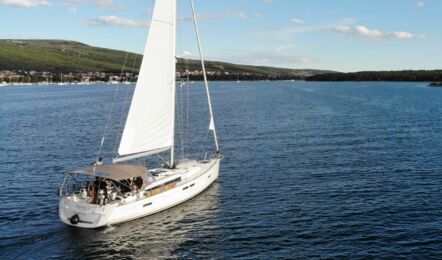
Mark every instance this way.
x=405 y=75
x=59 y=56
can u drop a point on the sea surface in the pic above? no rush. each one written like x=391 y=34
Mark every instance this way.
x=310 y=170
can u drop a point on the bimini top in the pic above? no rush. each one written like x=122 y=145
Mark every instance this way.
x=116 y=172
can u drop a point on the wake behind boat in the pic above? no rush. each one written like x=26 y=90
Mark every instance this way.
x=101 y=195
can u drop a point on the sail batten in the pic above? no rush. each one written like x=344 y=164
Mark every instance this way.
x=150 y=122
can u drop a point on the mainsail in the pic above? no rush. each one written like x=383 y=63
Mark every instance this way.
x=150 y=124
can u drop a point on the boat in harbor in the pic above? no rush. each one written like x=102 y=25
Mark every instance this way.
x=106 y=194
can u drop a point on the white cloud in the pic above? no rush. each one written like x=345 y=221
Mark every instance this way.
x=99 y=3
x=297 y=21
x=109 y=4
x=112 y=20
x=420 y=4
x=369 y=33
x=72 y=10
x=265 y=1
x=287 y=32
x=206 y=16
x=342 y=29
x=25 y=3
x=405 y=35
x=264 y=58
x=283 y=33
x=362 y=31
x=187 y=55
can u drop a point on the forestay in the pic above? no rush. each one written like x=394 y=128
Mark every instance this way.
x=150 y=122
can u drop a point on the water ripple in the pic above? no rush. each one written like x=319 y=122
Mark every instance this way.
x=311 y=170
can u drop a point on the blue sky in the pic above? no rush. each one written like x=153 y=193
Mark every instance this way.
x=344 y=35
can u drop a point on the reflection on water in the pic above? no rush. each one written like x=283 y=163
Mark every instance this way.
x=159 y=235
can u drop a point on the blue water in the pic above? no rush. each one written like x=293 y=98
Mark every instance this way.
x=311 y=170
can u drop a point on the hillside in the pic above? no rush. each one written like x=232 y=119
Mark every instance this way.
x=405 y=75
x=59 y=56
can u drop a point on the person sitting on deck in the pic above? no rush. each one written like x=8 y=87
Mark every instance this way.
x=92 y=192
x=135 y=190
x=101 y=186
x=139 y=182
x=99 y=161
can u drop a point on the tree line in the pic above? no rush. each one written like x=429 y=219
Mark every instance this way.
x=405 y=75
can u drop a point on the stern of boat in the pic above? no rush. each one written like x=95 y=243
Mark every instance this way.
x=78 y=213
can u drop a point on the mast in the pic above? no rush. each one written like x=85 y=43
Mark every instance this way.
x=172 y=149
x=212 y=121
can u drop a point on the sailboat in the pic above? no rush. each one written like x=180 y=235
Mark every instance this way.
x=61 y=83
x=124 y=191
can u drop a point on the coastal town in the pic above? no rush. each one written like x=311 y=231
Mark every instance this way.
x=43 y=77
x=31 y=77
x=22 y=77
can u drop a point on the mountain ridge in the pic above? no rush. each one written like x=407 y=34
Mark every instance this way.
x=64 y=56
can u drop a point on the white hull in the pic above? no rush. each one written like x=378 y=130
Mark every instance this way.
x=195 y=178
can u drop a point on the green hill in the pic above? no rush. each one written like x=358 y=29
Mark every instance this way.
x=59 y=56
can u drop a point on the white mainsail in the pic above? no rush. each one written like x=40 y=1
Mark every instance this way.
x=150 y=124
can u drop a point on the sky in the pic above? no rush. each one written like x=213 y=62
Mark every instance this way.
x=341 y=35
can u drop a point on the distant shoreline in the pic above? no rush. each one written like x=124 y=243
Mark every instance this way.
x=73 y=84
x=435 y=84
x=379 y=76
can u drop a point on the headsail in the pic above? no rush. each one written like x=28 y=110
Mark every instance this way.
x=150 y=123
